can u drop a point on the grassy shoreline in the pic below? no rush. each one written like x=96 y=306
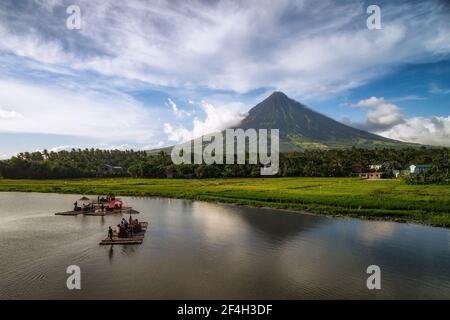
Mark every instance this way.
x=381 y=200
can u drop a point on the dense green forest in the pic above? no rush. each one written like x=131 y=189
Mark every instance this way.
x=87 y=163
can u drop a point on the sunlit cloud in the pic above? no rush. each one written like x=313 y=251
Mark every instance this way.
x=218 y=118
x=387 y=119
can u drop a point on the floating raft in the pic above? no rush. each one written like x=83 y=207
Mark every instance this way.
x=136 y=238
x=98 y=212
x=128 y=210
x=71 y=213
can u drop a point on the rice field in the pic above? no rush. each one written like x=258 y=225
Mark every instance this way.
x=383 y=199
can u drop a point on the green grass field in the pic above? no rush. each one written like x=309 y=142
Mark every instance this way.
x=385 y=199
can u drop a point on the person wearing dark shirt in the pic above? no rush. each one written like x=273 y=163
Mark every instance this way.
x=110 y=233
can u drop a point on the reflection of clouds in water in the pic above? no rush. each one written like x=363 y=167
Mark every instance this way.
x=233 y=230
x=211 y=243
x=218 y=224
x=376 y=231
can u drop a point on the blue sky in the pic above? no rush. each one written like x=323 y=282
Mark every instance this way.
x=144 y=74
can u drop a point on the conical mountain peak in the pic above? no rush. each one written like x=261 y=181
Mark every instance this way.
x=278 y=95
x=301 y=127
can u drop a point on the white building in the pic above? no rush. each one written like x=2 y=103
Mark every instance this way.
x=418 y=168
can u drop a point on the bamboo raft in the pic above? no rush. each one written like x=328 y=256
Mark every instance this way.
x=127 y=210
x=136 y=238
x=98 y=212
x=69 y=213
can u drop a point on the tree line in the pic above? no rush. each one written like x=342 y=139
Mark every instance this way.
x=78 y=163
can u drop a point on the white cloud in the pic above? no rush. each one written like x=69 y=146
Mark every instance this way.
x=218 y=118
x=33 y=45
x=179 y=114
x=49 y=5
x=439 y=90
x=385 y=115
x=121 y=147
x=380 y=115
x=50 y=110
x=177 y=134
x=8 y=114
x=370 y=102
x=407 y=98
x=234 y=45
x=61 y=148
x=325 y=89
x=386 y=119
x=431 y=131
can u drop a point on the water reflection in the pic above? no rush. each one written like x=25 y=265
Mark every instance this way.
x=197 y=250
x=279 y=228
x=111 y=254
x=377 y=231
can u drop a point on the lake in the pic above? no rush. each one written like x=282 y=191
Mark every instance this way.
x=198 y=250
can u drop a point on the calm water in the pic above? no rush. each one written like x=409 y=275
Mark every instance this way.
x=201 y=250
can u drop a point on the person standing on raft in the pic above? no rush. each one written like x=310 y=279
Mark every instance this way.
x=110 y=233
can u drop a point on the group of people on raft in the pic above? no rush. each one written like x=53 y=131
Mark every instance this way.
x=109 y=197
x=125 y=229
x=85 y=207
x=102 y=204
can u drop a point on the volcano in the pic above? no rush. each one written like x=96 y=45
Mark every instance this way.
x=303 y=128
